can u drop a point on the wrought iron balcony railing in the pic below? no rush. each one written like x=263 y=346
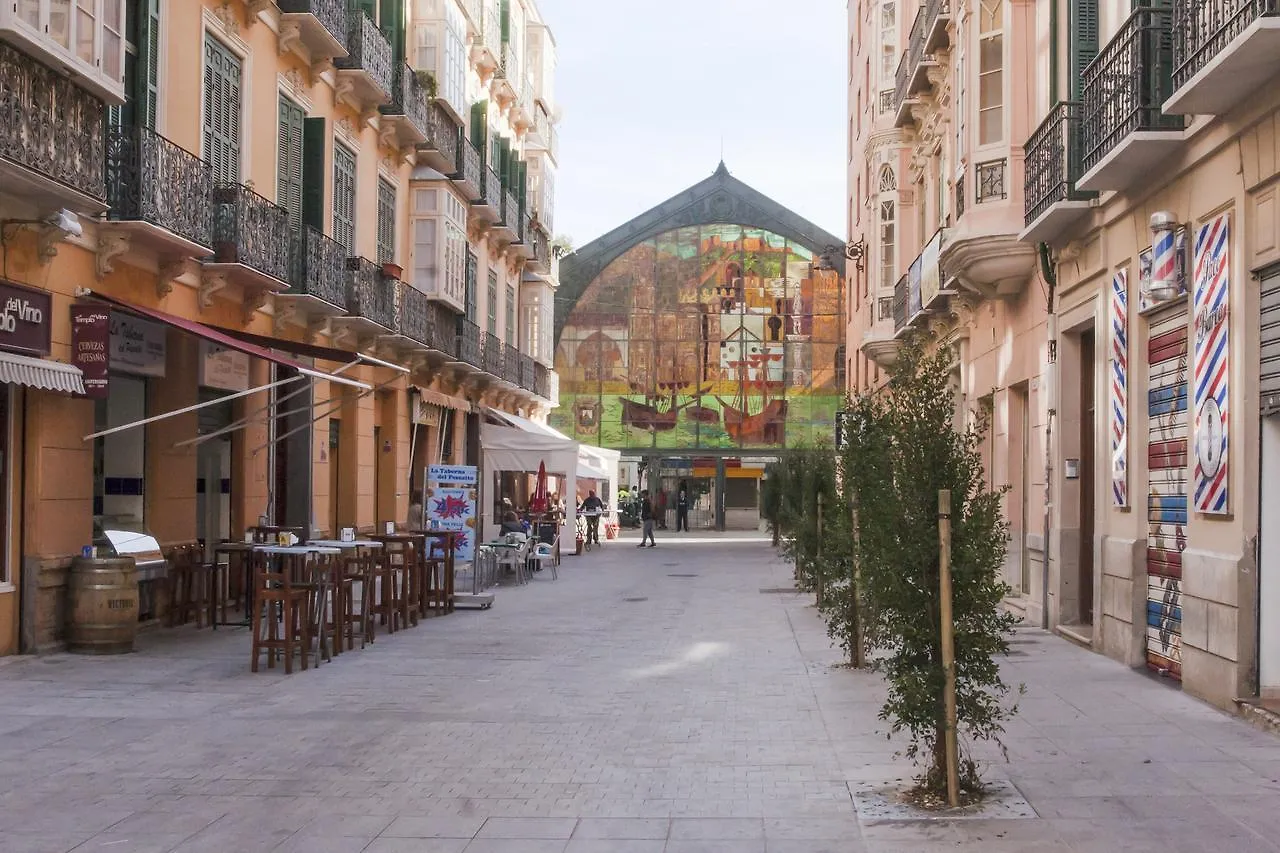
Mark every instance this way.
x=901 y=295
x=511 y=368
x=469 y=343
x=541 y=381
x=368 y=50
x=989 y=181
x=960 y=195
x=468 y=164
x=1053 y=162
x=535 y=237
x=511 y=213
x=886 y=101
x=1203 y=28
x=1127 y=82
x=528 y=378
x=494 y=362
x=509 y=67
x=150 y=179
x=409 y=99
x=910 y=59
x=372 y=295
x=249 y=230
x=491 y=28
x=442 y=134
x=491 y=192
x=320 y=268
x=416 y=322
x=332 y=14
x=51 y=126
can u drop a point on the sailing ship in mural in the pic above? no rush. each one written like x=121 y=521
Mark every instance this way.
x=767 y=424
x=660 y=412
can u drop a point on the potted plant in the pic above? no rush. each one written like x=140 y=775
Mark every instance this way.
x=390 y=270
x=427 y=81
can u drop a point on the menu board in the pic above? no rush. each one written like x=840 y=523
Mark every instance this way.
x=450 y=504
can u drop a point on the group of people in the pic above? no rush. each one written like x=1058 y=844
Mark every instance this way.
x=653 y=511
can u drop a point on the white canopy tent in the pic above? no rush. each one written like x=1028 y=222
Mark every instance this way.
x=510 y=448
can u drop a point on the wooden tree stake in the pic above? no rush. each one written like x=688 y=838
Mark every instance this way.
x=948 y=647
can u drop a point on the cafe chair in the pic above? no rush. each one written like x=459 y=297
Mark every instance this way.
x=544 y=555
x=281 y=624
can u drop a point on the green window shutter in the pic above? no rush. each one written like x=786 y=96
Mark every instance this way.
x=522 y=183
x=312 y=172
x=386 y=222
x=289 y=158
x=479 y=126
x=506 y=21
x=473 y=264
x=222 y=80
x=392 y=19
x=148 y=72
x=1084 y=42
x=344 y=197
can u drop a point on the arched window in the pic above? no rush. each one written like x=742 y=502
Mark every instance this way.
x=888 y=181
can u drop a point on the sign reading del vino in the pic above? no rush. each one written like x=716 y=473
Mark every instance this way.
x=24 y=319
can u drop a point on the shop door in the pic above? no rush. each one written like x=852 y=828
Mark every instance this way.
x=1088 y=435
x=213 y=475
x=1166 y=486
x=335 y=473
x=1269 y=509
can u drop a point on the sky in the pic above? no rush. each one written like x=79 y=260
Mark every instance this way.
x=650 y=91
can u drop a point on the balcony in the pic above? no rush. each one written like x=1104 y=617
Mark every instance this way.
x=420 y=324
x=937 y=17
x=52 y=137
x=408 y=115
x=365 y=74
x=314 y=29
x=912 y=76
x=878 y=342
x=542 y=381
x=494 y=362
x=507 y=228
x=440 y=149
x=489 y=206
x=372 y=300
x=1125 y=134
x=511 y=364
x=539 y=249
x=528 y=376
x=901 y=314
x=81 y=40
x=474 y=11
x=319 y=281
x=507 y=76
x=467 y=176
x=254 y=244
x=1223 y=50
x=1051 y=201
x=468 y=349
x=160 y=194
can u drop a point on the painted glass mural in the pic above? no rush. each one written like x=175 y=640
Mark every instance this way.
x=712 y=336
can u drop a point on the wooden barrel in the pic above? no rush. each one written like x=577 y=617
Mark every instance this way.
x=104 y=606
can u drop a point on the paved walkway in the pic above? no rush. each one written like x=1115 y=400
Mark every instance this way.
x=655 y=700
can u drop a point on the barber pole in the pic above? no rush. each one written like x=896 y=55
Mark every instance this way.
x=1211 y=365
x=1120 y=388
x=1164 y=266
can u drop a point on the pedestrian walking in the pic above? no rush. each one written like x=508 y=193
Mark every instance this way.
x=646 y=518
x=682 y=508
x=660 y=508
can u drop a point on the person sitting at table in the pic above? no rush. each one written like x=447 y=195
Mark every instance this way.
x=511 y=523
x=415 y=511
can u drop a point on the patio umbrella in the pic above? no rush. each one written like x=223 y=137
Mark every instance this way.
x=541 y=500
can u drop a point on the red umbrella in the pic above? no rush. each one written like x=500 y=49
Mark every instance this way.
x=541 y=500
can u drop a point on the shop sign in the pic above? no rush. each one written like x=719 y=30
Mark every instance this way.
x=24 y=319
x=137 y=345
x=458 y=475
x=223 y=368
x=930 y=273
x=424 y=413
x=90 y=342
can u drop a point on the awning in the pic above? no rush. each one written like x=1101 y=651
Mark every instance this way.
x=39 y=373
x=221 y=338
x=300 y=348
x=437 y=398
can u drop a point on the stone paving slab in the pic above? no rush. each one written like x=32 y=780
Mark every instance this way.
x=668 y=700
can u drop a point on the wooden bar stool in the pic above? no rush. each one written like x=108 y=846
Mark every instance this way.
x=383 y=606
x=357 y=611
x=280 y=619
x=190 y=582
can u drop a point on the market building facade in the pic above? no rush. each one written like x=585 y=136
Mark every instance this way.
x=261 y=261
x=702 y=338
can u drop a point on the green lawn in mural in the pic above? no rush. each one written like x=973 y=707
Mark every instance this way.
x=718 y=336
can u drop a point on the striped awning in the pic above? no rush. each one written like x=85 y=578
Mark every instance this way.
x=39 y=373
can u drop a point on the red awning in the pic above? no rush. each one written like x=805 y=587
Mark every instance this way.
x=223 y=339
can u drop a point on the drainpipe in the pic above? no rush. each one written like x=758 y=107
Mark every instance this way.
x=1053 y=52
x=1051 y=392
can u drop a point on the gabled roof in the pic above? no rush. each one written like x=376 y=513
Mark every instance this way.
x=720 y=199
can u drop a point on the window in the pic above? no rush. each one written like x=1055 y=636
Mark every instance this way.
x=888 y=221
x=290 y=132
x=221 y=111
x=491 y=326
x=386 y=222
x=888 y=43
x=440 y=247
x=512 y=337
x=344 y=197
x=990 y=72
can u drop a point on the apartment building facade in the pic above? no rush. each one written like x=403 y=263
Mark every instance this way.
x=1121 y=164
x=263 y=263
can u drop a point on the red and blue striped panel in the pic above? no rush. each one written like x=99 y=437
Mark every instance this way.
x=1119 y=393
x=1211 y=365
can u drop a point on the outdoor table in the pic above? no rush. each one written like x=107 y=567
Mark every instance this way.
x=320 y=583
x=235 y=551
x=450 y=538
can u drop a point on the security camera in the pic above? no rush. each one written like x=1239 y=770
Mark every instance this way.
x=66 y=222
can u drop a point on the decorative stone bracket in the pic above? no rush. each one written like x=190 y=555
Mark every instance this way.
x=111 y=245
